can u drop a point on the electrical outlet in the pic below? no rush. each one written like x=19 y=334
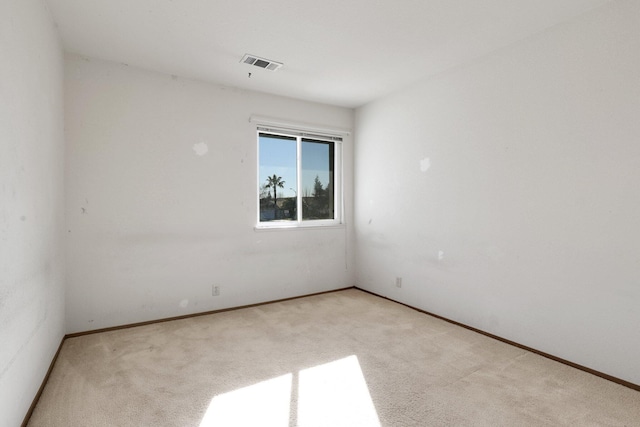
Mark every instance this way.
x=398 y=282
x=215 y=290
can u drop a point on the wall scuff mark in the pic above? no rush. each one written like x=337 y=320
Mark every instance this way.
x=425 y=164
x=201 y=148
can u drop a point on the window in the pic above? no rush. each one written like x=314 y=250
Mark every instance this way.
x=298 y=179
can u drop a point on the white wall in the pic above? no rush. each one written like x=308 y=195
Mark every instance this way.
x=31 y=203
x=152 y=226
x=526 y=222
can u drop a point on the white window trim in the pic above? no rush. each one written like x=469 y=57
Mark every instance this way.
x=270 y=122
x=320 y=133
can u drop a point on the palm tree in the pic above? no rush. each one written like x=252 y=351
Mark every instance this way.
x=274 y=182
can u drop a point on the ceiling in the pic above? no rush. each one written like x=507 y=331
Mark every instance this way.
x=339 y=52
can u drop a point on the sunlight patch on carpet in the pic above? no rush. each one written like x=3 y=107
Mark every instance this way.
x=332 y=394
x=263 y=404
x=335 y=394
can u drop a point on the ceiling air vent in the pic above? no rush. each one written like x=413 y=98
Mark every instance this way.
x=261 y=62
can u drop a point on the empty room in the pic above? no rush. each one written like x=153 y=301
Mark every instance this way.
x=306 y=213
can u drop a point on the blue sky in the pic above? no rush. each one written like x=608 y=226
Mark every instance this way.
x=278 y=156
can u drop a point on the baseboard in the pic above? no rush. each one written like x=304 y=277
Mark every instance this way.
x=27 y=417
x=616 y=380
x=203 y=313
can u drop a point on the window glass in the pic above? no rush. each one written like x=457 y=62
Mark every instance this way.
x=298 y=180
x=278 y=177
x=317 y=179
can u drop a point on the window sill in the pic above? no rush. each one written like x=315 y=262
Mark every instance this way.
x=278 y=227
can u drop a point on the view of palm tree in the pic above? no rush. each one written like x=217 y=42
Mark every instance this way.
x=274 y=182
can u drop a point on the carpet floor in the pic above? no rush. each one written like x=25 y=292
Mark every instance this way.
x=346 y=358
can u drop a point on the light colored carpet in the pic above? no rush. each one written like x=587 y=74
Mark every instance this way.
x=340 y=359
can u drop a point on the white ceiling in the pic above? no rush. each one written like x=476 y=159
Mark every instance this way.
x=340 y=52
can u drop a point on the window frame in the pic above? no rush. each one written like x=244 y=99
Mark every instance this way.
x=338 y=201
